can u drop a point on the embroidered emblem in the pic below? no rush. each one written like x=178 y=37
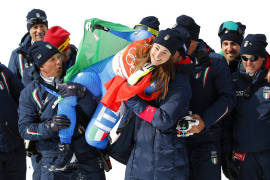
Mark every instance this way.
x=266 y=92
x=37 y=15
x=247 y=43
x=214 y=158
x=197 y=75
x=239 y=156
x=48 y=46
x=167 y=37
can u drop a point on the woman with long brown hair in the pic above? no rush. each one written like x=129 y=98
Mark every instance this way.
x=157 y=152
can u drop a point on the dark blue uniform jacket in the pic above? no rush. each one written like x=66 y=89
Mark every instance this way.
x=157 y=152
x=251 y=117
x=38 y=106
x=10 y=88
x=212 y=93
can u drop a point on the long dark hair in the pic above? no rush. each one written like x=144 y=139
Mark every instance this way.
x=162 y=74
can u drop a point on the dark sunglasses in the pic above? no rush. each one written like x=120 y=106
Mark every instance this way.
x=252 y=58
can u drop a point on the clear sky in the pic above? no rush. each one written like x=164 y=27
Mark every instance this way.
x=209 y=14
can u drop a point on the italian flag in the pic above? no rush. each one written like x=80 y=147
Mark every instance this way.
x=266 y=95
x=97 y=134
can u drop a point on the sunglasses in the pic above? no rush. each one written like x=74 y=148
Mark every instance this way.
x=252 y=58
x=230 y=26
x=40 y=20
x=146 y=28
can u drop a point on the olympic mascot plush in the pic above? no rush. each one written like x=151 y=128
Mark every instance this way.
x=95 y=76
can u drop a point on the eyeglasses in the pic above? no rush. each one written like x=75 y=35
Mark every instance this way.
x=252 y=58
x=39 y=20
x=146 y=28
x=230 y=26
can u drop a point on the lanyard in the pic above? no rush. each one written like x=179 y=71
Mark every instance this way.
x=51 y=91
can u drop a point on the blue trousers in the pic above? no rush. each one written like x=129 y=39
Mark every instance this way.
x=36 y=167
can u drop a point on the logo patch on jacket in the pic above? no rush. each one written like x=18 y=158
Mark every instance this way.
x=214 y=158
x=239 y=156
x=197 y=75
x=239 y=93
x=266 y=92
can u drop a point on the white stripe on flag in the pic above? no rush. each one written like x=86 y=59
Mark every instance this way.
x=101 y=126
x=108 y=117
x=101 y=112
x=99 y=135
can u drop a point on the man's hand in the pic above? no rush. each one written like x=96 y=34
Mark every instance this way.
x=71 y=89
x=197 y=128
x=57 y=123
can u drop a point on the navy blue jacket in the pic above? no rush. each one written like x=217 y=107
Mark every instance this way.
x=212 y=93
x=157 y=152
x=20 y=64
x=251 y=117
x=10 y=88
x=38 y=106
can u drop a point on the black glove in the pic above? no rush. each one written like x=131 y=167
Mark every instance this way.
x=229 y=167
x=71 y=89
x=58 y=122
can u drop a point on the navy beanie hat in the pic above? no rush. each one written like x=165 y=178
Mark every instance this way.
x=41 y=51
x=36 y=16
x=254 y=44
x=185 y=36
x=232 y=36
x=170 y=39
x=190 y=25
x=151 y=21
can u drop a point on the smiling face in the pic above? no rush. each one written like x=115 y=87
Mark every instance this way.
x=37 y=32
x=252 y=66
x=159 y=54
x=230 y=49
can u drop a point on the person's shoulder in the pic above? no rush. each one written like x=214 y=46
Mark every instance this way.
x=2 y=67
x=180 y=79
x=235 y=76
x=29 y=88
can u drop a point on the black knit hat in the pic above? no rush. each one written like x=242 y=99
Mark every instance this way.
x=235 y=35
x=232 y=36
x=151 y=21
x=41 y=51
x=254 y=44
x=190 y=25
x=170 y=39
x=36 y=16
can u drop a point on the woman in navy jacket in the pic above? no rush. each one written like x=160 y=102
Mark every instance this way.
x=157 y=152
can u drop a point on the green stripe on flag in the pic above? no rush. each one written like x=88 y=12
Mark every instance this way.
x=93 y=132
x=97 y=45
